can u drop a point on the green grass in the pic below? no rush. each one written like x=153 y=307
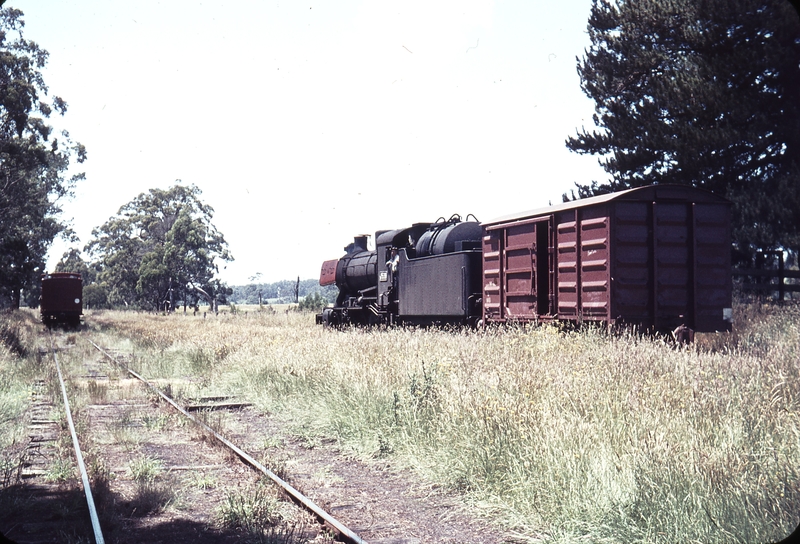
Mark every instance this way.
x=560 y=436
x=62 y=470
x=201 y=480
x=154 y=492
x=253 y=509
x=144 y=469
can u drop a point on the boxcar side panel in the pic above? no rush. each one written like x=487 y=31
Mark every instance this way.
x=673 y=265
x=630 y=265
x=583 y=266
x=713 y=284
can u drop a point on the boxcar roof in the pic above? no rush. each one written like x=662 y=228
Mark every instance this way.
x=649 y=193
x=60 y=275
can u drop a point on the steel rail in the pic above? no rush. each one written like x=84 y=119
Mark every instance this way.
x=329 y=520
x=98 y=533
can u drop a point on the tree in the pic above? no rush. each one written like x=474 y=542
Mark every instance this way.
x=33 y=163
x=71 y=261
x=314 y=302
x=160 y=248
x=95 y=294
x=703 y=93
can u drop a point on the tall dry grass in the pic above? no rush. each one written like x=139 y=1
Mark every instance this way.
x=559 y=435
x=19 y=364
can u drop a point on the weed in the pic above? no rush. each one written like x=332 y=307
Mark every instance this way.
x=276 y=463
x=155 y=423
x=98 y=392
x=11 y=338
x=11 y=461
x=280 y=535
x=253 y=510
x=325 y=477
x=273 y=442
x=152 y=497
x=60 y=471
x=215 y=420
x=145 y=469
x=153 y=493
x=201 y=480
x=121 y=428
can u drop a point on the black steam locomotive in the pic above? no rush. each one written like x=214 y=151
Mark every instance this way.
x=429 y=273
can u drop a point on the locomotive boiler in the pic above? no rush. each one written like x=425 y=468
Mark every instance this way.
x=428 y=273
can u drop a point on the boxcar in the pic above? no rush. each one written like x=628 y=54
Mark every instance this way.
x=654 y=257
x=62 y=299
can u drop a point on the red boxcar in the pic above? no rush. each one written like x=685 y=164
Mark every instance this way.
x=62 y=299
x=656 y=257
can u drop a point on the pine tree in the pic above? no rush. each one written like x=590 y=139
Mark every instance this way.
x=703 y=93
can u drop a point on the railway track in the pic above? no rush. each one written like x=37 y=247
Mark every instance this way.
x=129 y=424
x=102 y=417
x=345 y=534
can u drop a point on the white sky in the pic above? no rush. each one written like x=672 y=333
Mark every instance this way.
x=307 y=123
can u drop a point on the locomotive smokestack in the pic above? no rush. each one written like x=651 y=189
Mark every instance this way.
x=360 y=242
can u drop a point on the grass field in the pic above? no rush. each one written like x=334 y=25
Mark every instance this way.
x=561 y=436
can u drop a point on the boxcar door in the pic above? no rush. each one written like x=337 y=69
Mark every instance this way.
x=519 y=267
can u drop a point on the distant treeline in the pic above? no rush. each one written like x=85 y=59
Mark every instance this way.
x=281 y=292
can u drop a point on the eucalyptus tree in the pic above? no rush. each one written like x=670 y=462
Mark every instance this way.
x=703 y=93
x=34 y=163
x=160 y=248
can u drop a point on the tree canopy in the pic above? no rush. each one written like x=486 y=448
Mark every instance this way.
x=160 y=248
x=703 y=93
x=33 y=163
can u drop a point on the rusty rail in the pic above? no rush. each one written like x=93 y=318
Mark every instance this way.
x=296 y=495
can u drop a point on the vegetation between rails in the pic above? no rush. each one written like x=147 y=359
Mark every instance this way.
x=560 y=435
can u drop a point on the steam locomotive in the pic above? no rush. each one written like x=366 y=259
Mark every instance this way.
x=428 y=273
x=656 y=257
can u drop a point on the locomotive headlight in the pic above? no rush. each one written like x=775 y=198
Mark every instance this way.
x=77 y=301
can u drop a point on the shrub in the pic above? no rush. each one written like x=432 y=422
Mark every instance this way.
x=314 y=302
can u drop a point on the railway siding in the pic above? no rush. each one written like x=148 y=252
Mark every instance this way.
x=157 y=478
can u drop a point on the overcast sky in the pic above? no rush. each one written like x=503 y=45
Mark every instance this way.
x=305 y=123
